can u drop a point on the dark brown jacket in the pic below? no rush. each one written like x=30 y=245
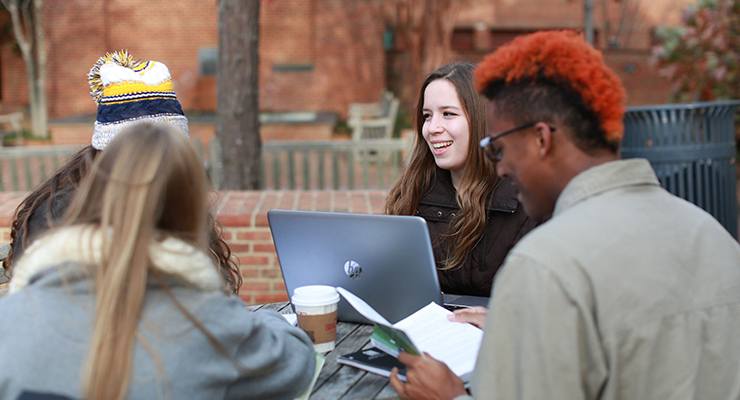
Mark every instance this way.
x=506 y=223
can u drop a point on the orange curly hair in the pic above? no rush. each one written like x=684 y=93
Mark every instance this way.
x=563 y=57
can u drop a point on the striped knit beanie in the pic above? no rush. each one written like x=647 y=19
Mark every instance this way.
x=128 y=92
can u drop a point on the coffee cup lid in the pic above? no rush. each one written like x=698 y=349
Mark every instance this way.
x=315 y=295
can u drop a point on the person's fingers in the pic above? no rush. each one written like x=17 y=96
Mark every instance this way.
x=476 y=309
x=396 y=383
x=407 y=359
x=474 y=318
x=428 y=357
x=462 y=317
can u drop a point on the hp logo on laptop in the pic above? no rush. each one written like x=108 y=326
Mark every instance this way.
x=353 y=269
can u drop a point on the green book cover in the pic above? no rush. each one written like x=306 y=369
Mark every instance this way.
x=392 y=340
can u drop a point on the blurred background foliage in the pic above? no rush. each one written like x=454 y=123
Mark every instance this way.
x=701 y=55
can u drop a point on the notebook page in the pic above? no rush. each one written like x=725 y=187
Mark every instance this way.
x=454 y=343
x=362 y=307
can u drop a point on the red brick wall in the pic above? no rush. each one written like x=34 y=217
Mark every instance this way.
x=339 y=41
x=507 y=19
x=643 y=84
x=14 y=92
x=73 y=48
x=243 y=216
x=559 y=14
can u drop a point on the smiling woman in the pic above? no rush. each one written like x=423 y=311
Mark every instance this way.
x=473 y=217
x=446 y=128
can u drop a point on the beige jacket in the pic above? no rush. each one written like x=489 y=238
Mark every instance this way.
x=626 y=293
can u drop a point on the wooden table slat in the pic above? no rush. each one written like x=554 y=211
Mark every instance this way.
x=387 y=393
x=337 y=381
x=277 y=307
x=341 y=382
x=351 y=343
x=370 y=387
x=345 y=329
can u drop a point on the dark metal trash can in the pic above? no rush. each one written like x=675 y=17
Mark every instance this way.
x=692 y=149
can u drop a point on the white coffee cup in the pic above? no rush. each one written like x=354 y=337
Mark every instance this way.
x=316 y=308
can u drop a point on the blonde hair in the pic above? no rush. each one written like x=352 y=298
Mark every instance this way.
x=147 y=184
x=479 y=176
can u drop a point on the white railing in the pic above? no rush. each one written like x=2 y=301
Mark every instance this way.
x=286 y=165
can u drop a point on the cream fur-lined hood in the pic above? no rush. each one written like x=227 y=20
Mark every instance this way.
x=82 y=244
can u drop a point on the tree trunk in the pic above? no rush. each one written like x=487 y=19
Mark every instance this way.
x=28 y=29
x=588 y=21
x=237 y=115
x=39 y=116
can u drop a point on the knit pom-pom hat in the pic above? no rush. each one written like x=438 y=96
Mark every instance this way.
x=564 y=58
x=128 y=92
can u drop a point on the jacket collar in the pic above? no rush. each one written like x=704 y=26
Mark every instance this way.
x=83 y=245
x=443 y=193
x=603 y=178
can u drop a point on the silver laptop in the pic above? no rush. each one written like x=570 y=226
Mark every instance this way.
x=386 y=260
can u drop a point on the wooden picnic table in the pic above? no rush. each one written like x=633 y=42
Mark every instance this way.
x=337 y=381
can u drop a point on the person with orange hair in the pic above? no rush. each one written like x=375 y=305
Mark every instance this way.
x=627 y=292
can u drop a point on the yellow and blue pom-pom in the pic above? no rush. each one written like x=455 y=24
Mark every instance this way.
x=122 y=58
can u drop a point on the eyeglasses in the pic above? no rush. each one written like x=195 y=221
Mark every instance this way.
x=487 y=142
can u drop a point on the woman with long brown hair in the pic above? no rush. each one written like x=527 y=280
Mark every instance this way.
x=473 y=217
x=122 y=301
x=126 y=92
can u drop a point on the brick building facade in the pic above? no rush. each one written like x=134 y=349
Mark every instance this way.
x=315 y=55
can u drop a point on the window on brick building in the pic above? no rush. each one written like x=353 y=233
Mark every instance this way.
x=207 y=58
x=292 y=67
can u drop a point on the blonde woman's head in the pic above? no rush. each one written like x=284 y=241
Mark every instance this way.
x=149 y=176
x=147 y=184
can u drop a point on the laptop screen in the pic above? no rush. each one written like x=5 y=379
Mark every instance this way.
x=386 y=260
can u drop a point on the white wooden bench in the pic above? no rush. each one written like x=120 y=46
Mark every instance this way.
x=14 y=120
x=373 y=120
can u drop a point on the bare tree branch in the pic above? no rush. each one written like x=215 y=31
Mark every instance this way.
x=18 y=29
x=27 y=20
x=636 y=6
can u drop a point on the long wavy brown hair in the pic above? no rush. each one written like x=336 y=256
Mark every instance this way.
x=479 y=176
x=69 y=176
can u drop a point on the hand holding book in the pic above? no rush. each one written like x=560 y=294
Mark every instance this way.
x=423 y=373
x=427 y=330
